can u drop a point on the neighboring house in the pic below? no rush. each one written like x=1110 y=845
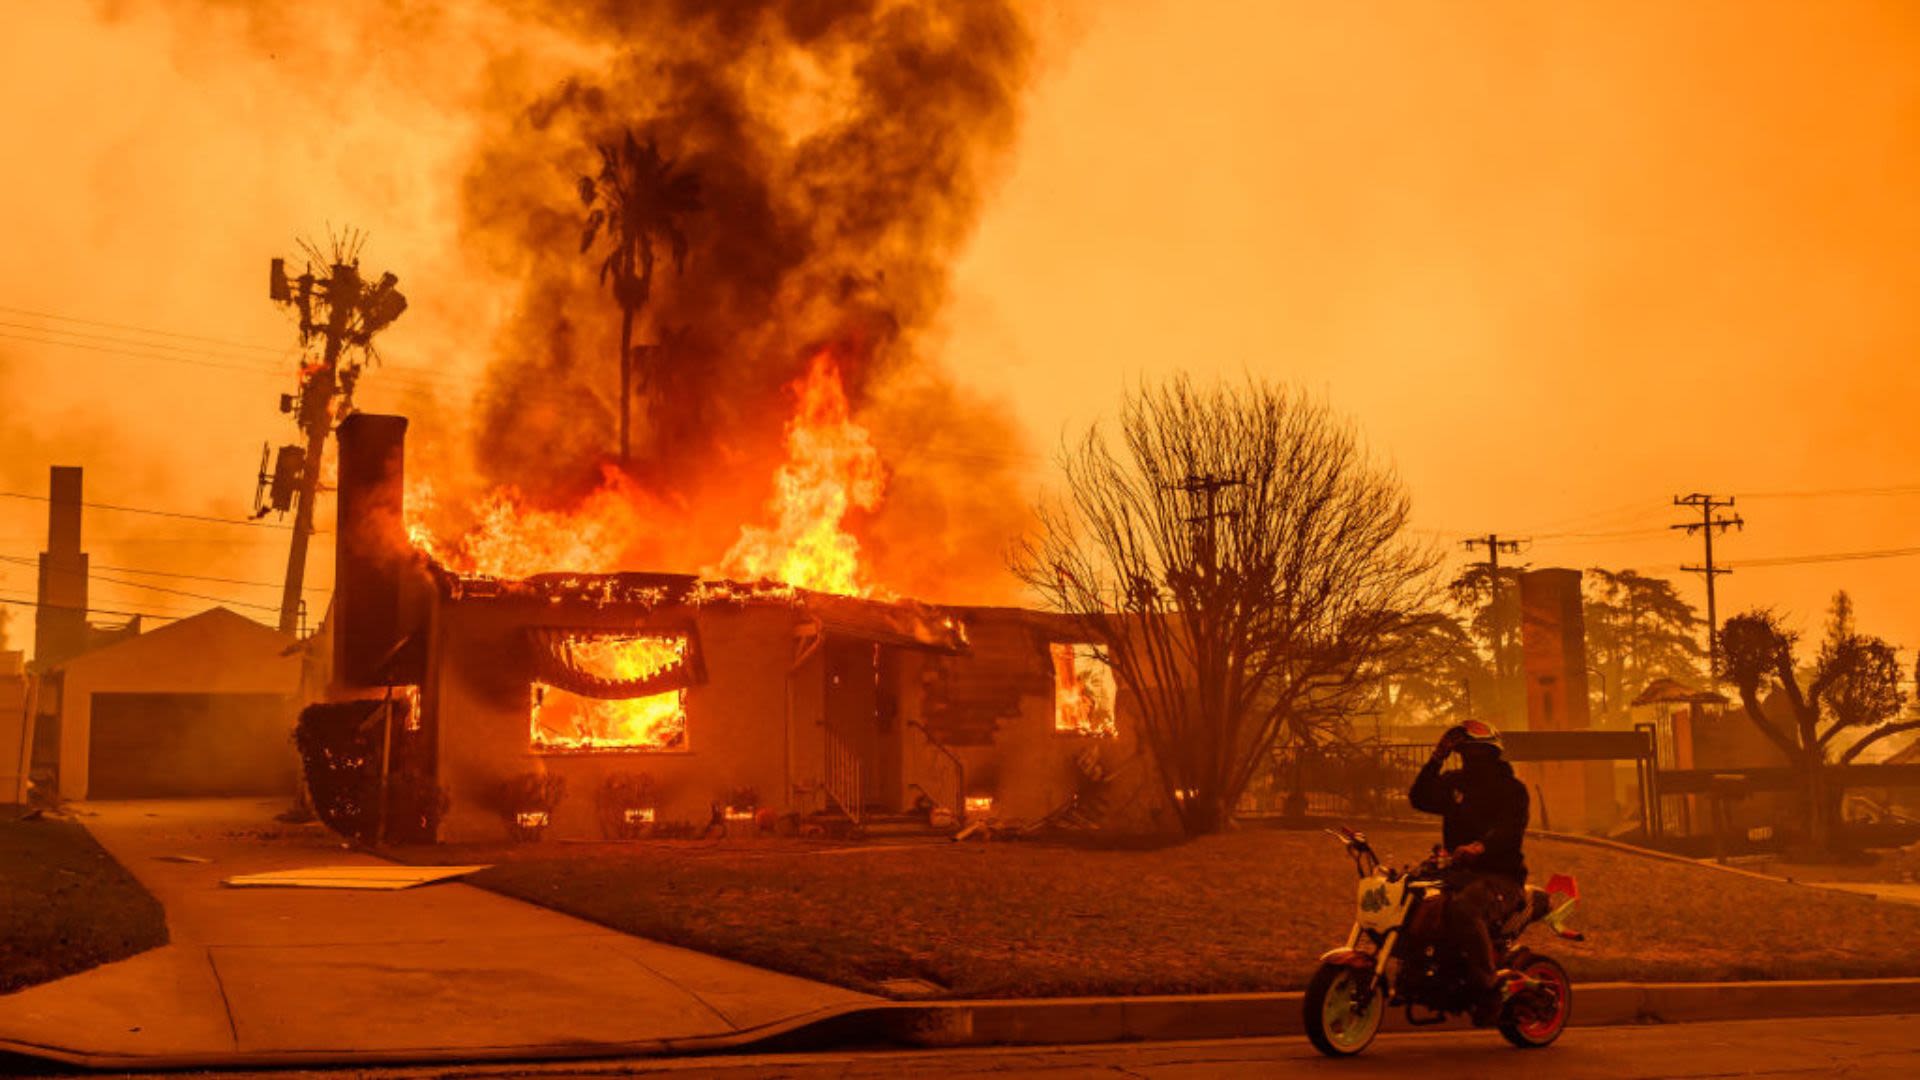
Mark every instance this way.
x=15 y=736
x=200 y=707
x=703 y=694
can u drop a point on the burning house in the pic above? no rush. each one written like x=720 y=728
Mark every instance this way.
x=599 y=705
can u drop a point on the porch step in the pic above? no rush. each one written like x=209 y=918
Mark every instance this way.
x=877 y=824
x=901 y=825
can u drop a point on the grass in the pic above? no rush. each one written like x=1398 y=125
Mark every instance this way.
x=67 y=905
x=1249 y=910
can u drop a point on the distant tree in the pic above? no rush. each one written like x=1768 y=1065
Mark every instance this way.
x=1238 y=559
x=1852 y=689
x=1638 y=629
x=637 y=199
x=1437 y=673
x=1490 y=608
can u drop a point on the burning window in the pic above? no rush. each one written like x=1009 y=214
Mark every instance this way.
x=1083 y=692
x=603 y=691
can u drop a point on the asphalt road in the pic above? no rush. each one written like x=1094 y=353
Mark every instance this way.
x=1867 y=1046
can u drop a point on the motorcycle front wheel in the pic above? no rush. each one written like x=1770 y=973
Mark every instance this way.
x=1530 y=1027
x=1334 y=1025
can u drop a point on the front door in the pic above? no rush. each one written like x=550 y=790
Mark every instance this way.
x=862 y=731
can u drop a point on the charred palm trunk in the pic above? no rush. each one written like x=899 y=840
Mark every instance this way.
x=626 y=380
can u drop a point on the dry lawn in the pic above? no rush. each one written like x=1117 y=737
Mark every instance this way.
x=65 y=905
x=1250 y=910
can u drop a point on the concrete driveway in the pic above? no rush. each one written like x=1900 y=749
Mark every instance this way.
x=437 y=973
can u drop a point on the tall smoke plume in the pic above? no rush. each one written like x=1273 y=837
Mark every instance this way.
x=843 y=149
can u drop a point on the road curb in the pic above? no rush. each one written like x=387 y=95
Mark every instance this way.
x=1070 y=1021
x=1058 y=1021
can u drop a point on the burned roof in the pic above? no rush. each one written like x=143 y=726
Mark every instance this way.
x=893 y=622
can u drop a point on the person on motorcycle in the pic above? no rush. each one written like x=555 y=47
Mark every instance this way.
x=1483 y=810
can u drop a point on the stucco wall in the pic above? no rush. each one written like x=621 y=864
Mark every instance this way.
x=758 y=720
x=479 y=695
x=1028 y=770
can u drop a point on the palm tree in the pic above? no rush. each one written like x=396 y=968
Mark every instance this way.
x=640 y=198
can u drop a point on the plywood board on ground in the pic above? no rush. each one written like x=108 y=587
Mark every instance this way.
x=351 y=877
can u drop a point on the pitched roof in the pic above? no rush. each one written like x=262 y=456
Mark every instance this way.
x=1675 y=692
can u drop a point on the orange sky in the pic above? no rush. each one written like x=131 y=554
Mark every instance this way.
x=1560 y=261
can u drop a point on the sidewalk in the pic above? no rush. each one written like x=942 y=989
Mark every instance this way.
x=438 y=973
x=1889 y=891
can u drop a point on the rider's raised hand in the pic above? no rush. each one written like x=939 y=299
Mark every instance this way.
x=1466 y=853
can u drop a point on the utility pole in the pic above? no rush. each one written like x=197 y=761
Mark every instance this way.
x=1706 y=527
x=353 y=312
x=1495 y=545
x=1207 y=487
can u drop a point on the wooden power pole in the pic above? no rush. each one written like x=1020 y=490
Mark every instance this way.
x=1707 y=526
x=340 y=313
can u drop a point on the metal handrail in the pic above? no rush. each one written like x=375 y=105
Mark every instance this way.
x=843 y=777
x=959 y=769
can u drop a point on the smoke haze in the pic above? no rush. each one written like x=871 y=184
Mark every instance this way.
x=1560 y=262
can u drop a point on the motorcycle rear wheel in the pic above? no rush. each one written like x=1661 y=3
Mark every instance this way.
x=1534 y=1032
x=1333 y=1026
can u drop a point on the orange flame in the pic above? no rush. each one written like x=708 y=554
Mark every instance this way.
x=566 y=721
x=510 y=539
x=1083 y=691
x=831 y=469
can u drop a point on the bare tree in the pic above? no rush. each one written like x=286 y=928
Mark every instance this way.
x=640 y=199
x=1238 y=560
x=1854 y=687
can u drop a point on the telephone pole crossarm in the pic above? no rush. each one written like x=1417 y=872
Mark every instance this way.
x=1708 y=525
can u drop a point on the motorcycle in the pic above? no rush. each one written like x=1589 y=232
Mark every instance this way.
x=1397 y=955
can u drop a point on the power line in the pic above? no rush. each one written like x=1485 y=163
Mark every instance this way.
x=182 y=592
x=192 y=350
x=1823 y=493
x=92 y=577
x=1637 y=508
x=1838 y=556
x=156 y=513
x=90 y=610
x=172 y=574
x=1613 y=534
x=144 y=355
x=205 y=577
x=403 y=378
x=142 y=329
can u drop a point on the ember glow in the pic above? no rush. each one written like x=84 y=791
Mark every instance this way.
x=831 y=470
x=566 y=721
x=1083 y=691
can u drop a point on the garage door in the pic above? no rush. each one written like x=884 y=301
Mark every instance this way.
x=165 y=745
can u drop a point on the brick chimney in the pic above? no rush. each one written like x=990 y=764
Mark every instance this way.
x=60 y=622
x=1570 y=796
x=380 y=589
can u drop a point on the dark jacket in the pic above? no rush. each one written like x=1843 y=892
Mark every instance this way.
x=1487 y=804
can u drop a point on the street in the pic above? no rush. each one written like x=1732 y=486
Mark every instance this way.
x=1850 y=1046
x=1865 y=1046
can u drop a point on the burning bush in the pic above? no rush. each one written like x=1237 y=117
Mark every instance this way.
x=527 y=803
x=339 y=746
x=627 y=806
